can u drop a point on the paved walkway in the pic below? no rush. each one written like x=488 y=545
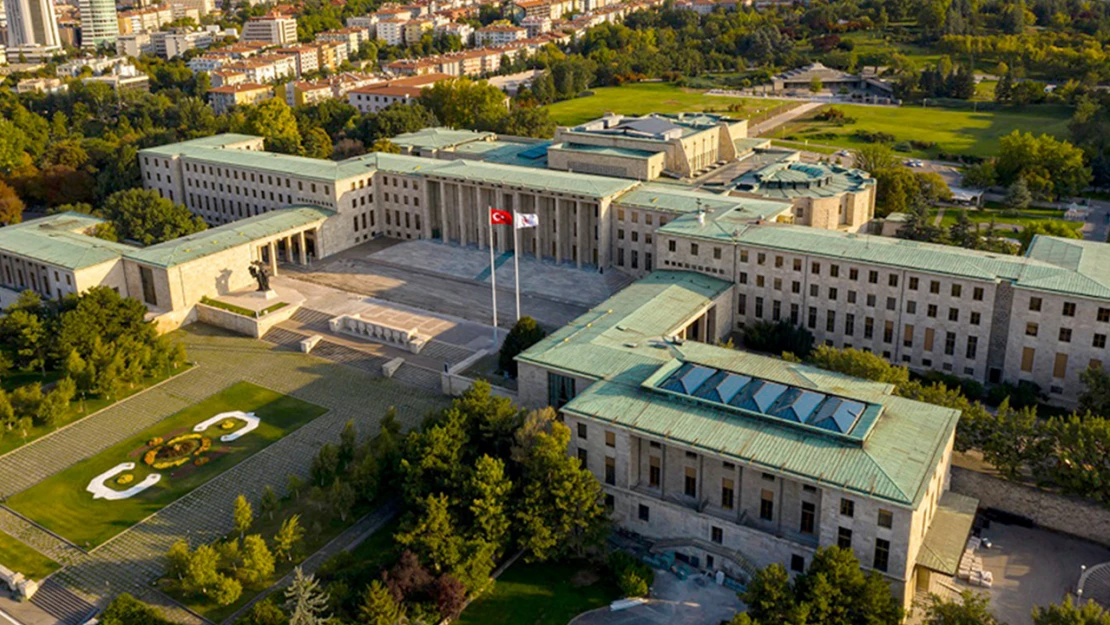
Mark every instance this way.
x=351 y=537
x=769 y=125
x=133 y=561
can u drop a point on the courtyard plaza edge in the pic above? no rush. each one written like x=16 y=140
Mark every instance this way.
x=1043 y=317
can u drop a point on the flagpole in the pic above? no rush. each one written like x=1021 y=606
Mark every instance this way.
x=516 y=261
x=493 y=280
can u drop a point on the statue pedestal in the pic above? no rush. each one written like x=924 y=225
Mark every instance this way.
x=266 y=295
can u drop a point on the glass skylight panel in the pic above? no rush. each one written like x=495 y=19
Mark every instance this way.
x=730 y=386
x=695 y=377
x=799 y=404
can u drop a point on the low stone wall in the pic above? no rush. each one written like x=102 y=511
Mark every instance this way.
x=249 y=326
x=1055 y=512
x=453 y=383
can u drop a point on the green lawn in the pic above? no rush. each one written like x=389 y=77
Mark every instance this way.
x=958 y=132
x=22 y=559
x=541 y=594
x=1002 y=217
x=62 y=504
x=77 y=410
x=650 y=97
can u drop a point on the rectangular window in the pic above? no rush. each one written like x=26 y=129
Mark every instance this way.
x=146 y=276
x=953 y=314
x=816 y=267
x=868 y=328
x=582 y=431
x=957 y=289
x=1099 y=341
x=560 y=390
x=1060 y=366
x=654 y=471
x=797 y=563
x=1035 y=304
x=728 y=494
x=1031 y=329
x=972 y=347
x=691 y=482
x=1065 y=335
x=949 y=343
x=1104 y=314
x=584 y=458
x=934 y=287
x=1027 y=355
x=907 y=336
x=975 y=318
x=844 y=538
x=888 y=331
x=850 y=324
x=809 y=518
x=716 y=535
x=882 y=554
x=1069 y=309
x=847 y=507
x=812 y=323
x=767 y=505
x=610 y=439
x=830 y=321
x=892 y=280
x=644 y=513
x=886 y=518
x=872 y=277
x=977 y=294
x=610 y=470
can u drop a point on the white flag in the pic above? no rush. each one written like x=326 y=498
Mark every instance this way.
x=527 y=220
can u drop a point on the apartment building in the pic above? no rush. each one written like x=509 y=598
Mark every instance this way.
x=273 y=29
x=144 y=20
x=332 y=55
x=392 y=31
x=375 y=97
x=224 y=98
x=736 y=461
x=306 y=56
x=413 y=30
x=499 y=35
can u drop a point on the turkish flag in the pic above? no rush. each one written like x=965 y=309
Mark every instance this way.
x=498 y=217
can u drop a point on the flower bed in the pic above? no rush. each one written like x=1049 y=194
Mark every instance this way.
x=177 y=451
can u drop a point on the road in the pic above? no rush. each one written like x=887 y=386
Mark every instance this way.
x=765 y=127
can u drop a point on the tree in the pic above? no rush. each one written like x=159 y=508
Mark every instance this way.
x=257 y=560
x=430 y=534
x=325 y=466
x=769 y=597
x=964 y=233
x=450 y=596
x=1017 y=195
x=274 y=121
x=1050 y=167
x=463 y=103
x=317 y=144
x=341 y=498
x=305 y=602
x=378 y=606
x=559 y=509
x=348 y=440
x=524 y=334
x=56 y=403
x=243 y=515
x=127 y=610
x=1094 y=399
x=11 y=207
x=226 y=590
x=875 y=157
x=201 y=571
x=288 y=536
x=815 y=85
x=489 y=492
x=25 y=333
x=1067 y=613
x=972 y=609
x=264 y=613
x=530 y=121
x=178 y=559
x=144 y=216
x=1046 y=228
x=859 y=364
x=271 y=502
x=778 y=337
x=386 y=146
x=13 y=145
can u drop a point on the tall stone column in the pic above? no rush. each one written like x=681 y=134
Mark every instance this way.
x=273 y=258
x=444 y=228
x=560 y=229
x=461 y=212
x=582 y=238
x=304 y=248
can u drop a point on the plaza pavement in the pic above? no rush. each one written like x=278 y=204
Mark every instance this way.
x=133 y=560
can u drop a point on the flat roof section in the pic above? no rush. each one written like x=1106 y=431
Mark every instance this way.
x=59 y=240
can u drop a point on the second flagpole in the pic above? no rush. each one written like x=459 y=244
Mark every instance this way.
x=516 y=260
x=493 y=280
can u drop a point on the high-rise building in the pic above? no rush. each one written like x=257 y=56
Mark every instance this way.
x=32 y=23
x=99 y=23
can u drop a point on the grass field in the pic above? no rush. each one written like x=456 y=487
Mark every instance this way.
x=22 y=559
x=1006 y=217
x=650 y=97
x=77 y=410
x=540 y=594
x=62 y=504
x=957 y=132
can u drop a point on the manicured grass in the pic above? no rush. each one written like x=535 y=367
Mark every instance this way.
x=541 y=594
x=62 y=504
x=801 y=145
x=957 y=132
x=20 y=558
x=1004 y=217
x=650 y=97
x=77 y=409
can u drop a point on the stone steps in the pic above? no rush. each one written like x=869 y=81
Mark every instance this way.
x=37 y=538
x=63 y=605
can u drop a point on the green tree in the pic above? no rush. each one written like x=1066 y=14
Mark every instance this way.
x=463 y=103
x=177 y=557
x=226 y=590
x=264 y=613
x=348 y=441
x=559 y=508
x=1067 y=613
x=971 y=609
x=242 y=516
x=815 y=85
x=13 y=145
x=489 y=491
x=530 y=121
x=271 y=502
x=55 y=405
x=325 y=466
x=1046 y=228
x=524 y=334
x=1017 y=195
x=257 y=560
x=201 y=571
x=305 y=602
x=26 y=334
x=430 y=534
x=144 y=216
x=1050 y=167
x=288 y=537
x=1094 y=399
x=386 y=146
x=778 y=337
x=964 y=233
x=274 y=121
x=317 y=144
x=875 y=157
x=341 y=498
x=770 y=598
x=378 y=606
x=859 y=364
x=127 y=610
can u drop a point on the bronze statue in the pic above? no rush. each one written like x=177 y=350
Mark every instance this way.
x=261 y=273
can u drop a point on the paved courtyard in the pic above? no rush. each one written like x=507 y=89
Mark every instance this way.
x=697 y=600
x=133 y=560
x=420 y=274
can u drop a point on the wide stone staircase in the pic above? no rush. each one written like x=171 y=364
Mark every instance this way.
x=62 y=604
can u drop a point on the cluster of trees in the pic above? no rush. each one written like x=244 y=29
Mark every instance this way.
x=140 y=216
x=1048 y=167
x=477 y=105
x=1090 y=131
x=477 y=481
x=943 y=80
x=832 y=591
x=1067 y=453
x=98 y=341
x=974 y=609
x=900 y=189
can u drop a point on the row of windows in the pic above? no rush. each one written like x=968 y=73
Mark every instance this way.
x=233 y=174
x=635 y=236
x=1067 y=309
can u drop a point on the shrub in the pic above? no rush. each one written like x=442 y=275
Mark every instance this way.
x=205 y=445
x=156 y=441
x=776 y=338
x=902 y=146
x=125 y=479
x=524 y=334
x=227 y=424
x=632 y=585
x=200 y=462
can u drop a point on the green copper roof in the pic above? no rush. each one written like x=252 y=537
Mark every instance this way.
x=623 y=345
x=947 y=535
x=227 y=236
x=59 y=240
x=438 y=138
x=788 y=180
x=676 y=199
x=1087 y=262
x=557 y=181
x=606 y=150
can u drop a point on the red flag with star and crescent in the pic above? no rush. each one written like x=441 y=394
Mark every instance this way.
x=499 y=217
